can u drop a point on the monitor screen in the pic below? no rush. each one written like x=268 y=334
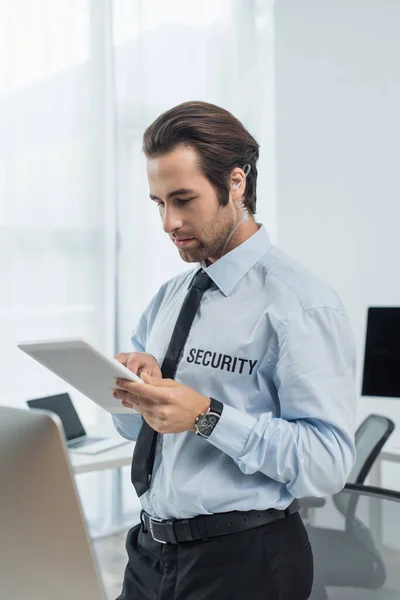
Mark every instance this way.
x=61 y=404
x=381 y=376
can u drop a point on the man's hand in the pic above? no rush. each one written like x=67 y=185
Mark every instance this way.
x=166 y=405
x=139 y=363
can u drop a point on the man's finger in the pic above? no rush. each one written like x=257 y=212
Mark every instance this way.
x=134 y=407
x=125 y=392
x=143 y=390
x=135 y=360
x=158 y=381
x=129 y=403
x=122 y=357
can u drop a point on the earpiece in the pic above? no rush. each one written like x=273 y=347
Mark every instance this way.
x=246 y=169
x=245 y=212
x=240 y=204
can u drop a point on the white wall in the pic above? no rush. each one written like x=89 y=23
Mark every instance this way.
x=338 y=153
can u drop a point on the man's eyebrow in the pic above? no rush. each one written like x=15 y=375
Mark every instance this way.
x=180 y=192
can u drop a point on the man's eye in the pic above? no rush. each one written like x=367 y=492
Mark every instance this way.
x=180 y=201
x=185 y=201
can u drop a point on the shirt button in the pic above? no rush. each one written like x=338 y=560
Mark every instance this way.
x=160 y=447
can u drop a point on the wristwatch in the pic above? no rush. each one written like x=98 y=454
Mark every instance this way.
x=206 y=422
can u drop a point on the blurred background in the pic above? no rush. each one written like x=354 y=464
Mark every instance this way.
x=317 y=82
x=82 y=249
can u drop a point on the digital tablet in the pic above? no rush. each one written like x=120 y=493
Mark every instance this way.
x=83 y=367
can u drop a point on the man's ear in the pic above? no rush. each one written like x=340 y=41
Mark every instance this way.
x=238 y=183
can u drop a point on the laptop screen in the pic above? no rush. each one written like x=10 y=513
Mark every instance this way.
x=382 y=353
x=61 y=404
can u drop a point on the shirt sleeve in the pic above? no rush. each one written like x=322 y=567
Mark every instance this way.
x=128 y=425
x=310 y=446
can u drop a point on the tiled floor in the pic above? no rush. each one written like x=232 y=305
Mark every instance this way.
x=112 y=558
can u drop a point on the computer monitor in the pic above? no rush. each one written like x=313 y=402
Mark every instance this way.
x=381 y=373
x=45 y=551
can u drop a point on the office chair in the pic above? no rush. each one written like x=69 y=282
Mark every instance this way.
x=364 y=554
x=370 y=437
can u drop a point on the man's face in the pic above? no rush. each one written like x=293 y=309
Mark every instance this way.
x=188 y=205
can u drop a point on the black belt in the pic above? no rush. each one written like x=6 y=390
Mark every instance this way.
x=204 y=527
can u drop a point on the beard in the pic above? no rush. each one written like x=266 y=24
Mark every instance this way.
x=210 y=242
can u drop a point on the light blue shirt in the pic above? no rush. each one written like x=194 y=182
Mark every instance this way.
x=273 y=343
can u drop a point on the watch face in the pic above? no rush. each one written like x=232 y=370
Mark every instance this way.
x=206 y=424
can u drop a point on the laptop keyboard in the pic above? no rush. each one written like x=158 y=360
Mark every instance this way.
x=89 y=440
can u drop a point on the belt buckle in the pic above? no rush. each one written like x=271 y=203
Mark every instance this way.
x=152 y=532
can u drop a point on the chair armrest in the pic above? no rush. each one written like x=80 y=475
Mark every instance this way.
x=310 y=502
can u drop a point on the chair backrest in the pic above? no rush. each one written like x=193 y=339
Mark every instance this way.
x=370 y=437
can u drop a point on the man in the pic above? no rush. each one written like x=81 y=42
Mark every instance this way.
x=254 y=404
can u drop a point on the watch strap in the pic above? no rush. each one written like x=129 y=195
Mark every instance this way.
x=216 y=406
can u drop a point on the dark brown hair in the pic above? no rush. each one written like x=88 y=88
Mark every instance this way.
x=220 y=139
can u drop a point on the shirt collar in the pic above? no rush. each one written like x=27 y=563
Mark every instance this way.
x=227 y=271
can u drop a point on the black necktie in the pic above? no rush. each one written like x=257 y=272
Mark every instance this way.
x=144 y=453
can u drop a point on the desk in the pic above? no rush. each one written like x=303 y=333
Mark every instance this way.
x=113 y=459
x=109 y=459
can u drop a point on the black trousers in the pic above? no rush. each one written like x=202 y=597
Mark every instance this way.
x=272 y=562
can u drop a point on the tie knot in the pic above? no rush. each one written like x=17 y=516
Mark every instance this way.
x=201 y=281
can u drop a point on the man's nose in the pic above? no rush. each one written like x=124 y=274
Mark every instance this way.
x=171 y=220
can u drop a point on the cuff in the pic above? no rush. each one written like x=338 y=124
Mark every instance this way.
x=232 y=431
x=127 y=425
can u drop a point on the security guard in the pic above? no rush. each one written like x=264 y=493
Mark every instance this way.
x=248 y=394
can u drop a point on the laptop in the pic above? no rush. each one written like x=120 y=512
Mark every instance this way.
x=75 y=434
x=45 y=549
